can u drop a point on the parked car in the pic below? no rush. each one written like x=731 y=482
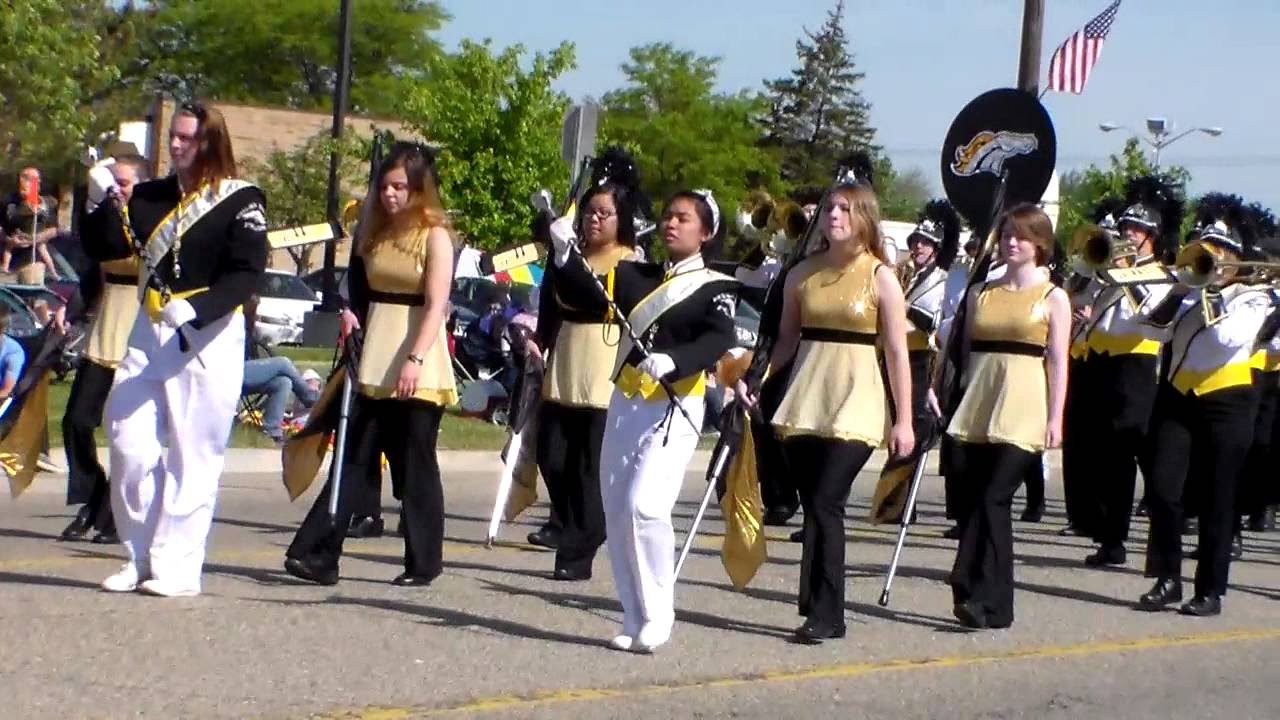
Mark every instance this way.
x=22 y=321
x=283 y=303
x=315 y=279
x=471 y=297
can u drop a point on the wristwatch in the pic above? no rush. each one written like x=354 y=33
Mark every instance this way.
x=415 y=359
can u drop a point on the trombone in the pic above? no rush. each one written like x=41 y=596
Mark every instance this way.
x=1102 y=249
x=1198 y=267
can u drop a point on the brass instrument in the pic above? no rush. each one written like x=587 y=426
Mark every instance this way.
x=1198 y=267
x=1100 y=248
x=776 y=226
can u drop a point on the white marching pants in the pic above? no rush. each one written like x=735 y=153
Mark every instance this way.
x=646 y=448
x=168 y=421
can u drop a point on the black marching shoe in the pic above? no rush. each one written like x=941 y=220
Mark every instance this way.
x=546 y=536
x=80 y=526
x=1033 y=514
x=1237 y=546
x=311 y=571
x=797 y=536
x=1165 y=592
x=106 y=537
x=813 y=632
x=571 y=575
x=1141 y=510
x=952 y=533
x=1069 y=530
x=407 y=580
x=778 y=516
x=366 y=527
x=1203 y=606
x=970 y=614
x=1107 y=555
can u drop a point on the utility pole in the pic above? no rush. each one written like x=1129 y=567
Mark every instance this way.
x=329 y=301
x=1032 y=33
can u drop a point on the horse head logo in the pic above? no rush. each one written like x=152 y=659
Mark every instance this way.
x=988 y=151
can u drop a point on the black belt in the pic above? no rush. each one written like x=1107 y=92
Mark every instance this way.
x=1007 y=347
x=117 y=279
x=837 y=336
x=387 y=298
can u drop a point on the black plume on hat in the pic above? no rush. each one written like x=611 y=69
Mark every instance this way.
x=858 y=169
x=1259 y=232
x=1220 y=220
x=1154 y=202
x=1106 y=213
x=940 y=224
x=615 y=165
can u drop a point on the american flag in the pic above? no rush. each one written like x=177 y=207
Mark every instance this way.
x=1071 y=63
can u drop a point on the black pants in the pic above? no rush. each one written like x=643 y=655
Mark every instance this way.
x=568 y=450
x=777 y=483
x=1124 y=392
x=1209 y=437
x=1079 y=440
x=86 y=478
x=824 y=469
x=1259 y=483
x=951 y=464
x=406 y=431
x=983 y=570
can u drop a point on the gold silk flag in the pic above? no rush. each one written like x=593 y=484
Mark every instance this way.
x=524 y=481
x=743 y=551
x=304 y=453
x=20 y=449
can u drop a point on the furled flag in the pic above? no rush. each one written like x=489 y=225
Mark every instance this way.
x=1071 y=63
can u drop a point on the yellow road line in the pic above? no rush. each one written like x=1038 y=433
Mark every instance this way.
x=563 y=696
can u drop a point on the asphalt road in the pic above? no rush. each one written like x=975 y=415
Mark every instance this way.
x=494 y=637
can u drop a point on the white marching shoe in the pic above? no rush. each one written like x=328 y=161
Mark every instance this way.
x=621 y=642
x=126 y=580
x=651 y=637
x=161 y=588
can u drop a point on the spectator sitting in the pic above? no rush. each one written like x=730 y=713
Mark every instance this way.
x=12 y=357
x=275 y=377
x=17 y=220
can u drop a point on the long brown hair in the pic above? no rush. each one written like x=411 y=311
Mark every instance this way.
x=214 y=158
x=424 y=208
x=863 y=204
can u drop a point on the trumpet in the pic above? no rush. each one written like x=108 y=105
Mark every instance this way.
x=1100 y=248
x=779 y=225
x=1198 y=267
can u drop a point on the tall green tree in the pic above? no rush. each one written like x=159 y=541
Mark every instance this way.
x=818 y=114
x=682 y=133
x=296 y=182
x=1081 y=190
x=284 y=52
x=49 y=55
x=497 y=120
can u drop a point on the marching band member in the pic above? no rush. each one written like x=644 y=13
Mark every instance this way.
x=1122 y=366
x=838 y=305
x=1259 y=490
x=1083 y=290
x=401 y=271
x=1205 y=409
x=170 y=411
x=1011 y=411
x=108 y=340
x=578 y=385
x=932 y=247
x=685 y=314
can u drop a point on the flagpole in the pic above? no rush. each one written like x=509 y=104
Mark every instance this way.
x=1032 y=32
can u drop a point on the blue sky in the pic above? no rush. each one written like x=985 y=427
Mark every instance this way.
x=1196 y=62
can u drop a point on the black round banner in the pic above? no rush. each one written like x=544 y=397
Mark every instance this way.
x=1003 y=131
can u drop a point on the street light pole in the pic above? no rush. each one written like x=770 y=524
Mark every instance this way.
x=1160 y=139
x=330 y=301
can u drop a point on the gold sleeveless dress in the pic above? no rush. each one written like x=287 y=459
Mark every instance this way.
x=836 y=389
x=109 y=337
x=579 y=367
x=398 y=264
x=1006 y=397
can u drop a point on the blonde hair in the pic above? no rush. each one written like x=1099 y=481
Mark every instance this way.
x=424 y=209
x=863 y=205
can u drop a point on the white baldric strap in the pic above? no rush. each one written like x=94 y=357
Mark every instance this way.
x=188 y=212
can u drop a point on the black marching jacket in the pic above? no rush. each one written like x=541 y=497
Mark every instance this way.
x=224 y=252
x=695 y=332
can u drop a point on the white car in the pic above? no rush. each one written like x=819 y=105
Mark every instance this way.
x=283 y=303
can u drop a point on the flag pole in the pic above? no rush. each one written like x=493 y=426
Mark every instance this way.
x=1029 y=59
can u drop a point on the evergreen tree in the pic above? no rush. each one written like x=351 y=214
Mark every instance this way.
x=817 y=115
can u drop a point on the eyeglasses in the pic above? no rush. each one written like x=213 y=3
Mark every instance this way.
x=601 y=214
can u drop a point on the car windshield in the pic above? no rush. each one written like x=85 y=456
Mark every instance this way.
x=287 y=287
x=22 y=321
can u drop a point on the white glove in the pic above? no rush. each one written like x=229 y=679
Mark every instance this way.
x=177 y=313
x=101 y=183
x=657 y=366
x=562 y=239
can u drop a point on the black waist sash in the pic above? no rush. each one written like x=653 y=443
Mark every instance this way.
x=816 y=334
x=389 y=298
x=118 y=279
x=1007 y=347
